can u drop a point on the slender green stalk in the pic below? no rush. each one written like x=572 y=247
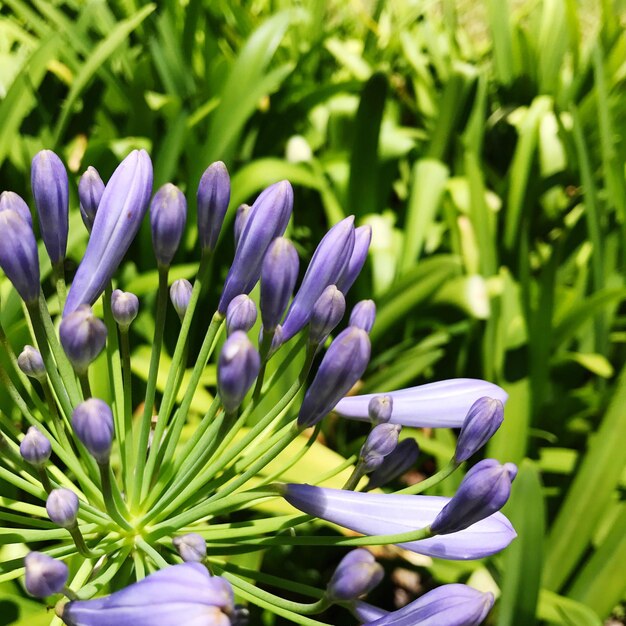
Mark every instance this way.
x=45 y=480
x=266 y=345
x=79 y=540
x=435 y=479
x=355 y=477
x=112 y=497
x=58 y=276
x=128 y=407
x=151 y=552
x=85 y=387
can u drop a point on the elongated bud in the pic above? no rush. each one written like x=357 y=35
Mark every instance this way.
x=363 y=315
x=396 y=463
x=93 y=424
x=326 y=267
x=241 y=217
x=180 y=295
x=83 y=336
x=191 y=547
x=381 y=441
x=62 y=507
x=213 y=198
x=278 y=278
x=277 y=339
x=342 y=366
x=482 y=421
x=327 y=312
x=238 y=366
x=35 y=448
x=120 y=213
x=267 y=219
x=50 y=186
x=90 y=190
x=18 y=255
x=357 y=574
x=124 y=307
x=484 y=490
x=10 y=201
x=44 y=575
x=241 y=314
x=31 y=363
x=380 y=409
x=168 y=213
x=362 y=240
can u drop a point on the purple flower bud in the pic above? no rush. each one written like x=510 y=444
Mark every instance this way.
x=31 y=363
x=35 y=448
x=267 y=219
x=90 y=190
x=381 y=441
x=484 y=490
x=48 y=180
x=363 y=315
x=326 y=267
x=83 y=337
x=180 y=294
x=380 y=408
x=124 y=307
x=238 y=366
x=18 y=255
x=362 y=239
x=342 y=366
x=327 y=312
x=93 y=424
x=120 y=212
x=240 y=314
x=357 y=574
x=168 y=213
x=44 y=575
x=10 y=201
x=213 y=198
x=62 y=507
x=241 y=217
x=277 y=339
x=482 y=421
x=278 y=278
x=191 y=547
x=184 y=594
x=394 y=464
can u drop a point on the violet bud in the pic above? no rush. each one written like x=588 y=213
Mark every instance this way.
x=83 y=337
x=342 y=366
x=168 y=213
x=395 y=464
x=241 y=217
x=190 y=547
x=31 y=363
x=327 y=312
x=326 y=267
x=93 y=424
x=120 y=213
x=50 y=186
x=124 y=307
x=238 y=366
x=267 y=219
x=362 y=239
x=10 y=201
x=213 y=198
x=240 y=314
x=180 y=295
x=62 y=507
x=35 y=448
x=484 y=490
x=357 y=574
x=363 y=315
x=482 y=421
x=278 y=278
x=90 y=190
x=44 y=575
x=277 y=339
x=381 y=441
x=380 y=408
x=18 y=255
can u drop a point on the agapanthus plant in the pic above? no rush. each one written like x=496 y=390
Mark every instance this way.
x=133 y=517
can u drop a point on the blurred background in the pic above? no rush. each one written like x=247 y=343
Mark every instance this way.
x=483 y=140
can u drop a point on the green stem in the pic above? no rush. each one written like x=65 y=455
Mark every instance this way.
x=435 y=479
x=58 y=275
x=112 y=497
x=266 y=345
x=128 y=407
x=151 y=552
x=85 y=387
x=355 y=477
x=45 y=480
x=79 y=540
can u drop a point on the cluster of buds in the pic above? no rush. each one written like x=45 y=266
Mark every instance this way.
x=123 y=486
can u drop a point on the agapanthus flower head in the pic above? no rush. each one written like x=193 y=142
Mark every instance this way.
x=44 y=575
x=482 y=421
x=241 y=314
x=10 y=201
x=213 y=198
x=50 y=186
x=180 y=295
x=362 y=240
x=381 y=441
x=241 y=216
x=90 y=190
x=120 y=213
x=327 y=312
x=92 y=421
x=380 y=408
x=395 y=464
x=62 y=507
x=31 y=363
x=181 y=594
x=168 y=214
x=357 y=574
x=363 y=315
x=35 y=448
x=83 y=336
x=124 y=307
x=190 y=547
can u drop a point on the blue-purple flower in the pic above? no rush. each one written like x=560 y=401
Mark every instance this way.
x=83 y=337
x=180 y=295
x=35 y=448
x=237 y=368
x=10 y=201
x=241 y=314
x=362 y=240
x=44 y=575
x=327 y=312
x=62 y=507
x=482 y=421
x=357 y=574
x=212 y=198
x=31 y=363
x=168 y=214
x=363 y=315
x=124 y=307
x=394 y=464
x=190 y=547
x=90 y=190
x=93 y=424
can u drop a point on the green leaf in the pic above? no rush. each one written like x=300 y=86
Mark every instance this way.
x=557 y=609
